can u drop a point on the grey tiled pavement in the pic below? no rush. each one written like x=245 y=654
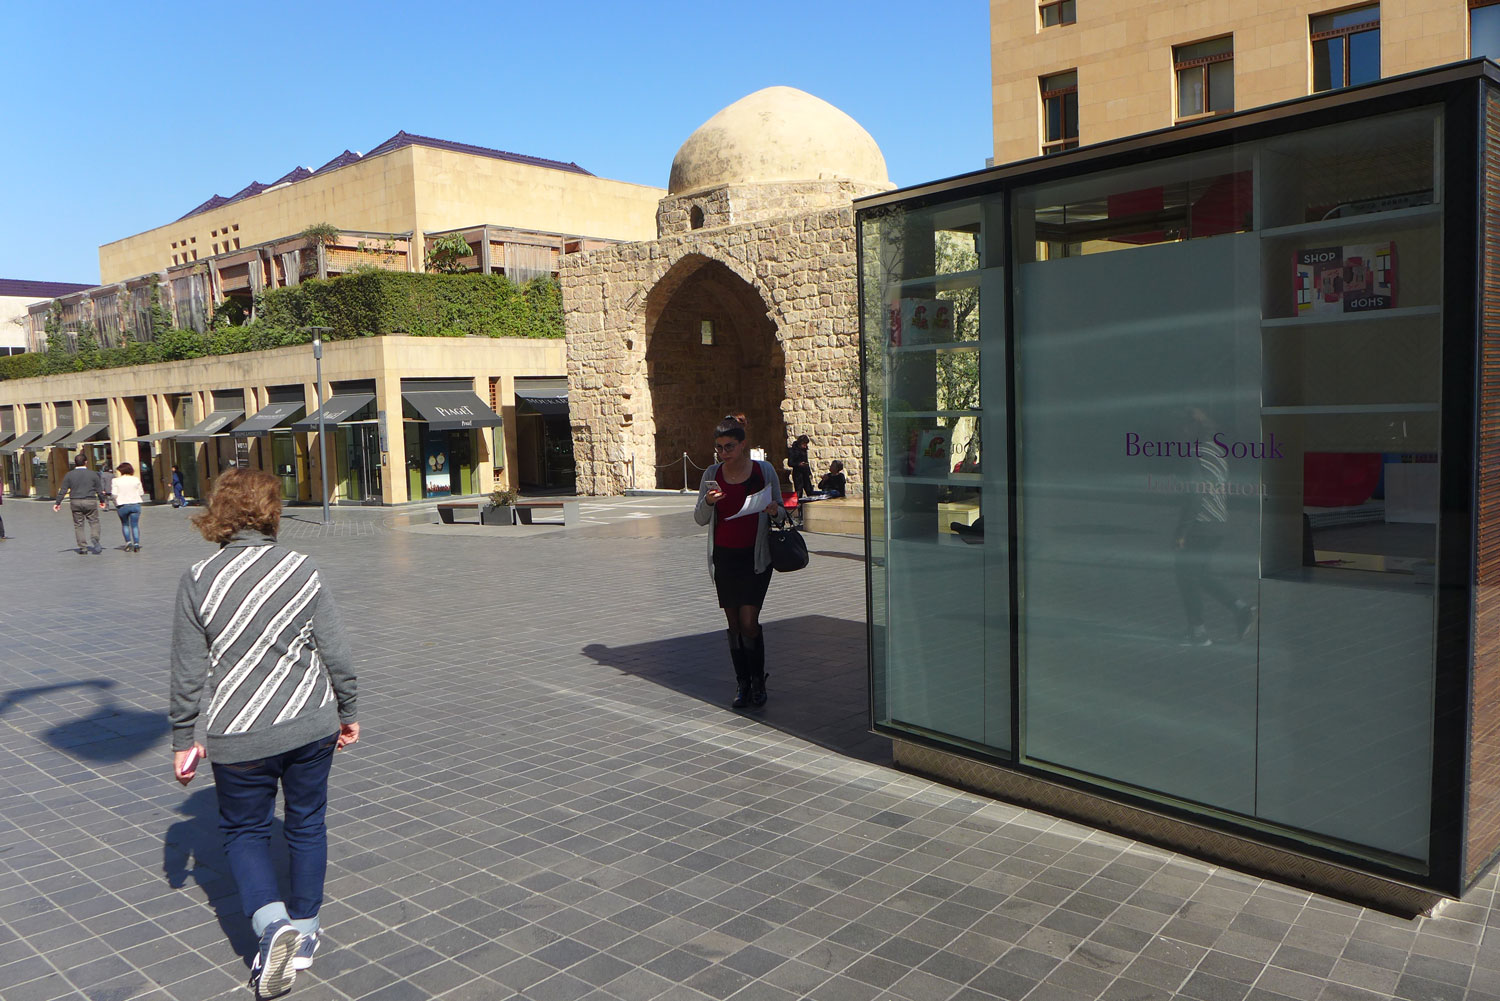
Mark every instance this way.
x=551 y=802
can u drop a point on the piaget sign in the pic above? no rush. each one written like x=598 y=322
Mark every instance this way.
x=458 y=413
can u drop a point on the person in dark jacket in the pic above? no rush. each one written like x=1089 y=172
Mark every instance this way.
x=256 y=632
x=177 y=499
x=833 y=482
x=796 y=458
x=84 y=491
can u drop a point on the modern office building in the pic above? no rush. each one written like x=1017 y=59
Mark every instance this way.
x=1189 y=531
x=1074 y=72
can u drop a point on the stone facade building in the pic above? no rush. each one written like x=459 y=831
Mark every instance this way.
x=746 y=301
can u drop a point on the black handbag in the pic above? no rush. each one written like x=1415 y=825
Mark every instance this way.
x=788 y=550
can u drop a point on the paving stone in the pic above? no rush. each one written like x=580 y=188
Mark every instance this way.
x=611 y=830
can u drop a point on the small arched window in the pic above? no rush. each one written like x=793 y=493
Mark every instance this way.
x=695 y=217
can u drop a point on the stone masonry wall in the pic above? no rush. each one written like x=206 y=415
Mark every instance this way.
x=802 y=266
x=737 y=204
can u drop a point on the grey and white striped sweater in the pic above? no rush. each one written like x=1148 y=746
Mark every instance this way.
x=255 y=628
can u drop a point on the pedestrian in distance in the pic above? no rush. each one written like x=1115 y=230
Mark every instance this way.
x=736 y=499
x=796 y=458
x=107 y=477
x=257 y=634
x=129 y=495
x=85 y=493
x=3 y=536
x=178 y=500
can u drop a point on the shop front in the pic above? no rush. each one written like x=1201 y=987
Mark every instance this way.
x=49 y=459
x=448 y=432
x=351 y=424
x=281 y=454
x=1172 y=487
x=93 y=437
x=13 y=453
x=544 y=436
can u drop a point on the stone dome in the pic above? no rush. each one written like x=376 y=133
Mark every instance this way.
x=773 y=135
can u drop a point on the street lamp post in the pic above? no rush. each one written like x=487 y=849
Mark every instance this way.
x=317 y=345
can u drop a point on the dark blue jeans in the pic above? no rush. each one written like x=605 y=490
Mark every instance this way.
x=130 y=522
x=247 y=803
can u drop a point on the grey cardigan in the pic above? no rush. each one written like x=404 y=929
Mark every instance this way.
x=707 y=514
x=255 y=627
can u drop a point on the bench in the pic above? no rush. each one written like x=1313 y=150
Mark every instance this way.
x=446 y=509
x=522 y=511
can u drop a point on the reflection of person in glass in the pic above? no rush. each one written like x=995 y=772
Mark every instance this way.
x=1202 y=524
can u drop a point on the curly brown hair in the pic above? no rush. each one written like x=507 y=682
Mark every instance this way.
x=241 y=498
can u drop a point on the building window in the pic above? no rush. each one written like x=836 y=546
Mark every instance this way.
x=1345 y=47
x=1059 y=112
x=1055 y=12
x=1484 y=29
x=695 y=217
x=236 y=243
x=1205 y=77
x=216 y=248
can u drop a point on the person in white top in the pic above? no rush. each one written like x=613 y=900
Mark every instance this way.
x=129 y=495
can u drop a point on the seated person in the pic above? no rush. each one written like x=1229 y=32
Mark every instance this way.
x=832 y=484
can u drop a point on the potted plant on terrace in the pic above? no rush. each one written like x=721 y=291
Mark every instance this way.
x=499 y=510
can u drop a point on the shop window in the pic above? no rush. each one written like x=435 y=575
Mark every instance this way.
x=1345 y=47
x=1059 y=112
x=1484 y=29
x=1205 y=77
x=1056 y=12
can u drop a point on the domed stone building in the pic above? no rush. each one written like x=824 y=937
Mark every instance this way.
x=746 y=301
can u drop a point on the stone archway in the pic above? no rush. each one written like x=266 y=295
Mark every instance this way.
x=693 y=384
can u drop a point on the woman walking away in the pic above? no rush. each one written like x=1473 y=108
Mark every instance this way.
x=255 y=627
x=129 y=495
x=739 y=556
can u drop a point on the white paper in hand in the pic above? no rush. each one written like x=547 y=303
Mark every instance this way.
x=758 y=501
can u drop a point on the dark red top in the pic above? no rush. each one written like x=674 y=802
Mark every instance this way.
x=740 y=532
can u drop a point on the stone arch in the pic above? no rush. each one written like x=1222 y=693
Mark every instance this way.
x=692 y=385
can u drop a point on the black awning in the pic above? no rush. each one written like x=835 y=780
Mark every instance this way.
x=335 y=411
x=51 y=439
x=158 y=435
x=88 y=432
x=453 y=410
x=546 y=404
x=216 y=423
x=268 y=418
x=21 y=441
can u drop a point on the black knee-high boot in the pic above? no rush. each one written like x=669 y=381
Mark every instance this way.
x=740 y=655
x=755 y=667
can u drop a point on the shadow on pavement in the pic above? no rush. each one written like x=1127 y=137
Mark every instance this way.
x=192 y=852
x=817 y=678
x=109 y=733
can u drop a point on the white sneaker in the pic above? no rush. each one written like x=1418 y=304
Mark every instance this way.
x=307 y=947
x=272 y=971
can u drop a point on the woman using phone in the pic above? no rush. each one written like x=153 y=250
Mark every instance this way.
x=736 y=499
x=281 y=699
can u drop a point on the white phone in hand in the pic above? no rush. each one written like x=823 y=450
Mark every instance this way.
x=190 y=766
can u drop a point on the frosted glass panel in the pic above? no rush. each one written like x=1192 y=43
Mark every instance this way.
x=1346 y=709
x=1138 y=537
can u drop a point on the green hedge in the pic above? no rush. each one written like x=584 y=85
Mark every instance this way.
x=423 y=305
x=365 y=304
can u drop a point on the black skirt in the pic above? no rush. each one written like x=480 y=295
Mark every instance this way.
x=736 y=580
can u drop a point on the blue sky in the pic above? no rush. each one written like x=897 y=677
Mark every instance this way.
x=121 y=117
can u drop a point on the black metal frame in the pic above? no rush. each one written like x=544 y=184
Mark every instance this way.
x=1460 y=89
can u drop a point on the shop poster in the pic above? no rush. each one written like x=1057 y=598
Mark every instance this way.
x=435 y=467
